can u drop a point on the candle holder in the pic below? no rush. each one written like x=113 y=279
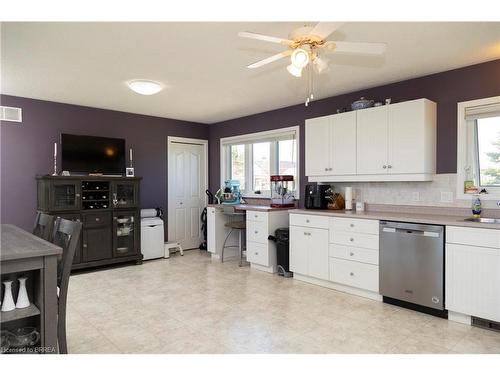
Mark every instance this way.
x=55 y=160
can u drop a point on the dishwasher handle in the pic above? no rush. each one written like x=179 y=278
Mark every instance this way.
x=414 y=232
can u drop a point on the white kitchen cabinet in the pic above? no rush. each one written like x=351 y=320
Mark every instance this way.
x=317 y=146
x=217 y=232
x=261 y=253
x=394 y=142
x=309 y=251
x=331 y=145
x=372 y=141
x=412 y=137
x=473 y=272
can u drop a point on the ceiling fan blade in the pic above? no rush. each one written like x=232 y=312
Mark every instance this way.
x=324 y=29
x=357 y=48
x=270 y=59
x=265 y=38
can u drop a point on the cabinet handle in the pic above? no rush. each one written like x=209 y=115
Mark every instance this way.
x=307 y=220
x=256 y=253
x=385 y=166
x=307 y=234
x=352 y=254
x=351 y=239
x=77 y=195
x=256 y=231
x=326 y=169
x=255 y=215
x=85 y=245
x=352 y=225
x=330 y=169
x=97 y=219
x=352 y=274
x=389 y=166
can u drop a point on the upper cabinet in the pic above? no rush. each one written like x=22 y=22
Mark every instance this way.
x=395 y=142
x=331 y=145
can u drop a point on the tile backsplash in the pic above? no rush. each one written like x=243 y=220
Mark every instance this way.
x=439 y=192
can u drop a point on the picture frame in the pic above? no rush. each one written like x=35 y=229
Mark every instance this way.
x=129 y=172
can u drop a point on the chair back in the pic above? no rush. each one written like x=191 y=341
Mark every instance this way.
x=66 y=235
x=43 y=226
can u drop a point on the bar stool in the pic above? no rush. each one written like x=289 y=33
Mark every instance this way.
x=235 y=224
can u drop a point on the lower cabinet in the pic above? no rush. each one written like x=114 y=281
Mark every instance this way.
x=473 y=272
x=126 y=228
x=356 y=274
x=309 y=251
x=97 y=240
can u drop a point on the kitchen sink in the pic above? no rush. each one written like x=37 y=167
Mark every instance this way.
x=484 y=220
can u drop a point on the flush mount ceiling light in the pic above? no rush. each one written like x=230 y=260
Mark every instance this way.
x=145 y=86
x=305 y=44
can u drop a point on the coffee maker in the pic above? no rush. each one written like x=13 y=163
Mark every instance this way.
x=316 y=196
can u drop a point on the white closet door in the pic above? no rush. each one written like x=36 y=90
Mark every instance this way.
x=318 y=146
x=343 y=138
x=372 y=140
x=186 y=169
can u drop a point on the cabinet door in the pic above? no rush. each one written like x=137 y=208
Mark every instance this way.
x=407 y=137
x=64 y=195
x=473 y=280
x=317 y=246
x=343 y=144
x=125 y=233
x=318 y=146
x=78 y=252
x=125 y=194
x=372 y=140
x=211 y=230
x=299 y=249
x=96 y=244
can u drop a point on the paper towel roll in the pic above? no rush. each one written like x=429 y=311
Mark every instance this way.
x=148 y=212
x=348 y=198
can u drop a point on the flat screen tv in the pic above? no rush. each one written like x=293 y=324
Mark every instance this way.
x=89 y=154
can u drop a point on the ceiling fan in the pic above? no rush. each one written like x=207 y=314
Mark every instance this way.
x=306 y=44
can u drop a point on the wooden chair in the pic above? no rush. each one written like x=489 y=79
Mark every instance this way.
x=43 y=226
x=66 y=235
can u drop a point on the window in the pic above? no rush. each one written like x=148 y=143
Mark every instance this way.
x=488 y=151
x=253 y=158
x=478 y=156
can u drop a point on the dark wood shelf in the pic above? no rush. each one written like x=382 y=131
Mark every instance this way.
x=95 y=190
x=16 y=314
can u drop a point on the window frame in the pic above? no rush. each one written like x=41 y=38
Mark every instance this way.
x=467 y=157
x=248 y=140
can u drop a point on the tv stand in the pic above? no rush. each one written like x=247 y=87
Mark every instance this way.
x=107 y=206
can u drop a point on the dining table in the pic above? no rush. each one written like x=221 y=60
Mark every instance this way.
x=23 y=254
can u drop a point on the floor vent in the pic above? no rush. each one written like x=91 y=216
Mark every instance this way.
x=487 y=324
x=12 y=114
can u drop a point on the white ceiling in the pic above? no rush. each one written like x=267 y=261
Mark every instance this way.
x=203 y=64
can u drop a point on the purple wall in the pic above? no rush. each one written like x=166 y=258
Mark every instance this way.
x=446 y=89
x=27 y=149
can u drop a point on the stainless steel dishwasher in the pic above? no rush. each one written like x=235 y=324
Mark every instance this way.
x=412 y=263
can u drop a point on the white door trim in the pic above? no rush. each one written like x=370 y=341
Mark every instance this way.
x=195 y=141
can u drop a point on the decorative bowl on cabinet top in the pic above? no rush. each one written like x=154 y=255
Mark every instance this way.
x=362 y=103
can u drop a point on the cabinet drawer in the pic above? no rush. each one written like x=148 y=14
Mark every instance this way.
x=359 y=275
x=312 y=221
x=257 y=231
x=367 y=241
x=354 y=225
x=357 y=254
x=473 y=236
x=97 y=219
x=258 y=253
x=257 y=216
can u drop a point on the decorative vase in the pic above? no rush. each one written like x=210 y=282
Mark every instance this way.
x=8 y=301
x=22 y=297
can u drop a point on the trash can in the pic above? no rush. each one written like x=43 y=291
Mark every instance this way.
x=281 y=238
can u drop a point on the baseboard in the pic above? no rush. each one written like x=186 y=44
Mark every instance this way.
x=339 y=287
x=459 y=318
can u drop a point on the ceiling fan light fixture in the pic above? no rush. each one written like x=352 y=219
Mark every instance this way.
x=145 y=86
x=300 y=58
x=321 y=64
x=294 y=71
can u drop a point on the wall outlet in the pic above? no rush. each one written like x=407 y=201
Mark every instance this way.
x=447 y=196
x=415 y=196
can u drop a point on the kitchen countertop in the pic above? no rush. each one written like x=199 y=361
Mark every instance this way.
x=250 y=207
x=399 y=216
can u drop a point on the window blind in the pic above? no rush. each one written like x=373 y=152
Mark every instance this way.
x=249 y=139
x=482 y=111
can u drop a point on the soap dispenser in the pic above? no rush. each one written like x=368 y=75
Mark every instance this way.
x=476 y=206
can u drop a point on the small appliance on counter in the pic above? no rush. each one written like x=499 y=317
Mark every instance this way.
x=231 y=193
x=281 y=187
x=152 y=234
x=316 y=196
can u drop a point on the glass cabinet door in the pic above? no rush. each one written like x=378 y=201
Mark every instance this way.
x=124 y=194
x=125 y=227
x=65 y=195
